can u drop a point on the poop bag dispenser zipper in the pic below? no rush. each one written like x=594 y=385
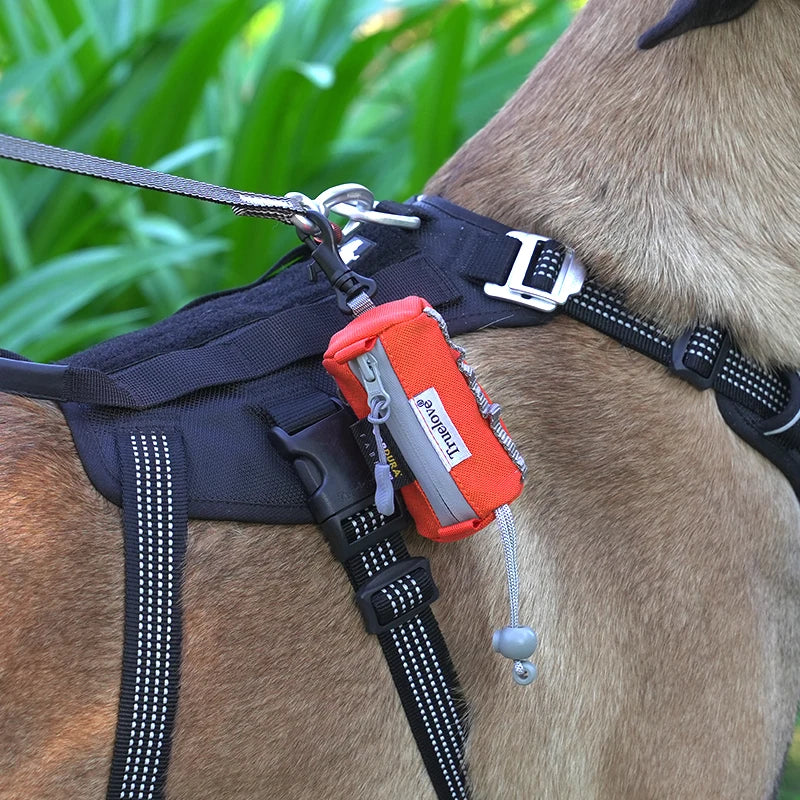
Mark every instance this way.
x=436 y=437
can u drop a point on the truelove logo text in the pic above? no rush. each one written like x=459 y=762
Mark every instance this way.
x=438 y=426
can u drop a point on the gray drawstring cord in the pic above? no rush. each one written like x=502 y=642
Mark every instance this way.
x=515 y=642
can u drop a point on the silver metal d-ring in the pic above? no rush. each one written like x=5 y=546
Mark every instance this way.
x=353 y=194
x=351 y=200
x=356 y=214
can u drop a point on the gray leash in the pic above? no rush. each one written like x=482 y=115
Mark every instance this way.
x=282 y=209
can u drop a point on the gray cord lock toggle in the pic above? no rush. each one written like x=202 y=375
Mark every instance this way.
x=516 y=642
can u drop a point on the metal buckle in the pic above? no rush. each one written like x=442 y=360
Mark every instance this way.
x=569 y=281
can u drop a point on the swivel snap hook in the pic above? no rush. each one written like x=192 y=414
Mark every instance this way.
x=353 y=291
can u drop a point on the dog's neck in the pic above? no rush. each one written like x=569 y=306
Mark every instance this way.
x=674 y=172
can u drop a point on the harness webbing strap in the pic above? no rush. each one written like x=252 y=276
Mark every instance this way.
x=703 y=356
x=155 y=522
x=393 y=590
x=415 y=651
x=255 y=349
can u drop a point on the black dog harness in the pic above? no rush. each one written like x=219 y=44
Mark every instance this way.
x=224 y=412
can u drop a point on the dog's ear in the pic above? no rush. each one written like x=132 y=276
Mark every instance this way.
x=688 y=14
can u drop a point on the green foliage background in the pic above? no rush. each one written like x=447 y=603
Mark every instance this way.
x=260 y=96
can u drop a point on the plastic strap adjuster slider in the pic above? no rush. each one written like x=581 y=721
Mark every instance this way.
x=396 y=594
x=697 y=343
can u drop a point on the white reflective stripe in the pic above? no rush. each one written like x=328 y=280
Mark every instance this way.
x=427 y=694
x=432 y=694
x=154 y=510
x=442 y=682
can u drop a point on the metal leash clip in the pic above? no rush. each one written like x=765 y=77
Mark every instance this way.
x=351 y=200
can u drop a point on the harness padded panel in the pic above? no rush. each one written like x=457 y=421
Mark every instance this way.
x=226 y=368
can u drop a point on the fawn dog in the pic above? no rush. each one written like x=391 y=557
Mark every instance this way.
x=659 y=554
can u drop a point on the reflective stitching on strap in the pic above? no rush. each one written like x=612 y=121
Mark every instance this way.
x=593 y=305
x=602 y=303
x=431 y=695
x=154 y=510
x=414 y=658
x=440 y=678
x=758 y=385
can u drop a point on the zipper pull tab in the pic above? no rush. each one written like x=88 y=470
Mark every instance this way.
x=372 y=383
x=517 y=642
x=379 y=412
x=384 y=491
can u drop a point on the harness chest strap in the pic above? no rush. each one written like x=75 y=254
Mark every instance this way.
x=393 y=590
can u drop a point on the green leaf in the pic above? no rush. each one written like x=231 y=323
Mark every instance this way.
x=188 y=154
x=268 y=96
x=320 y=75
x=26 y=85
x=12 y=234
x=435 y=123
x=184 y=79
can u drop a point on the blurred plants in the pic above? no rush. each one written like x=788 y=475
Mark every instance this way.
x=260 y=96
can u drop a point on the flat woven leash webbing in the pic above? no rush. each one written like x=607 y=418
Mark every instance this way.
x=155 y=522
x=281 y=209
x=415 y=651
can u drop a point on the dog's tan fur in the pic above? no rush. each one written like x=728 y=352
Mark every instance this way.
x=659 y=557
x=673 y=171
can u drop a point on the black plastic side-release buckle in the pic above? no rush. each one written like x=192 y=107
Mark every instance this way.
x=700 y=380
x=396 y=594
x=333 y=472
